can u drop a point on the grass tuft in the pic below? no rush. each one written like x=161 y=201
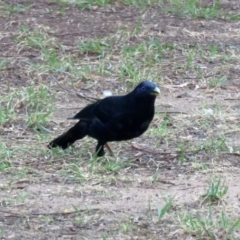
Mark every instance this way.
x=216 y=191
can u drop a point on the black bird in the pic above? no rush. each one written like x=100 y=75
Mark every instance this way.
x=114 y=118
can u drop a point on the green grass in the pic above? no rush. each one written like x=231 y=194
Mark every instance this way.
x=183 y=8
x=162 y=129
x=218 y=81
x=98 y=47
x=127 y=226
x=83 y=4
x=214 y=145
x=35 y=102
x=216 y=191
x=162 y=211
x=16 y=8
x=193 y=9
x=211 y=226
x=91 y=4
x=143 y=4
x=36 y=38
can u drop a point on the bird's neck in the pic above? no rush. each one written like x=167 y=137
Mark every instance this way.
x=147 y=101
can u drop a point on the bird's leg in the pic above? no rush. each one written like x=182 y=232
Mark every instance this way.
x=100 y=149
x=109 y=149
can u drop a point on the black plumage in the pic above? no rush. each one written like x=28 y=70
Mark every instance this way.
x=114 y=118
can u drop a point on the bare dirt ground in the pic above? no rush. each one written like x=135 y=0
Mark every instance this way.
x=68 y=194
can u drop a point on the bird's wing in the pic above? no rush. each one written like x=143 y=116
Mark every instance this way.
x=122 y=126
x=109 y=107
x=105 y=109
x=87 y=112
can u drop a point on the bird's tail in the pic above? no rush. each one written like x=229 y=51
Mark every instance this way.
x=75 y=133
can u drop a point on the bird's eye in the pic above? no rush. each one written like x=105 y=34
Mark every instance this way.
x=143 y=89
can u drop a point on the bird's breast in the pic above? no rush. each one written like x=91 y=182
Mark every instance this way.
x=145 y=125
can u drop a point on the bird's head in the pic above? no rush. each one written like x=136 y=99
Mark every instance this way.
x=147 y=88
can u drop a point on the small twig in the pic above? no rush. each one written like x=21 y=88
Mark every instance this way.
x=234 y=154
x=145 y=149
x=172 y=112
x=34 y=215
x=232 y=99
x=187 y=188
x=153 y=151
x=166 y=182
x=75 y=33
x=176 y=153
x=80 y=95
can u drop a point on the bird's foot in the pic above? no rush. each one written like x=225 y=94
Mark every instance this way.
x=100 y=151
